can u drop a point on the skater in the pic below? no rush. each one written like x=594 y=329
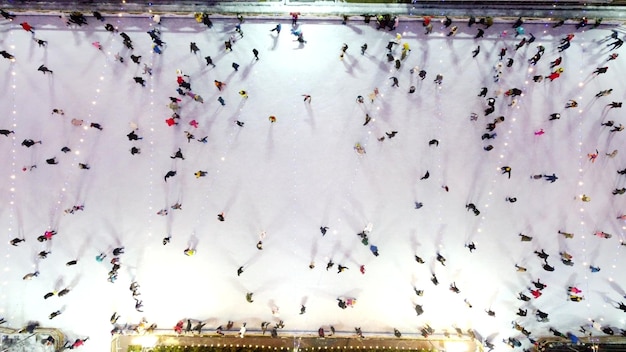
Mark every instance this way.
x=169 y=174
x=7 y=15
x=14 y=242
x=178 y=154
x=363 y=48
x=54 y=314
x=276 y=29
x=551 y=178
x=27 y=27
x=209 y=61
x=604 y=93
x=600 y=70
x=30 y=276
x=543 y=255
x=29 y=143
x=615 y=104
x=44 y=69
x=132 y=136
x=506 y=170
x=554 y=75
x=255 y=53
x=193 y=48
x=395 y=81
x=6 y=55
x=476 y=51
x=539 y=285
x=139 y=80
x=556 y=62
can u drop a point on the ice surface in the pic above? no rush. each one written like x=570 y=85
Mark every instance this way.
x=290 y=177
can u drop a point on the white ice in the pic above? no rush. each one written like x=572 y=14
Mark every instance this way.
x=290 y=177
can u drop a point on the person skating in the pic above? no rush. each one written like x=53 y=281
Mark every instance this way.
x=138 y=305
x=615 y=104
x=604 y=93
x=29 y=143
x=395 y=81
x=30 y=276
x=276 y=29
x=169 y=174
x=434 y=279
x=178 y=155
x=44 y=69
x=391 y=134
x=7 y=15
x=571 y=104
x=209 y=61
x=476 y=51
x=539 y=285
x=54 y=314
x=441 y=259
x=14 y=242
x=551 y=178
x=27 y=27
x=600 y=70
x=249 y=297
x=419 y=310
x=472 y=207
x=554 y=75
x=136 y=59
x=193 y=48
x=6 y=55
x=506 y=170
x=471 y=246
x=240 y=271
x=140 y=80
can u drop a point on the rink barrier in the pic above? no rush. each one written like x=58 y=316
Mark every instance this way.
x=532 y=12
x=292 y=341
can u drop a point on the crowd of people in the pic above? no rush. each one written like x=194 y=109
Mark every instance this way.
x=397 y=51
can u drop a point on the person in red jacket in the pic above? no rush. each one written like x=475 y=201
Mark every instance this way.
x=536 y=293
x=27 y=27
